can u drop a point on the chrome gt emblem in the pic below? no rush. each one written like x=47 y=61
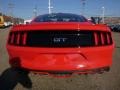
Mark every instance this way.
x=58 y=40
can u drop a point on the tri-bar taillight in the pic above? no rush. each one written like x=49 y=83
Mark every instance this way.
x=64 y=38
x=17 y=38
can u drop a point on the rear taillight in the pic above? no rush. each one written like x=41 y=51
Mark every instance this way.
x=102 y=38
x=72 y=39
x=17 y=38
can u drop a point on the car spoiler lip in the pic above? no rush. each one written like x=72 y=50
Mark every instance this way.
x=61 y=26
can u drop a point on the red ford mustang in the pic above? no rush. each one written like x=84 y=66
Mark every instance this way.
x=61 y=43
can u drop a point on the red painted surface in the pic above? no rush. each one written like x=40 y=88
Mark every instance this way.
x=61 y=59
x=60 y=26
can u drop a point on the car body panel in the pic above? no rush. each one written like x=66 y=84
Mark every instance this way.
x=61 y=26
x=61 y=59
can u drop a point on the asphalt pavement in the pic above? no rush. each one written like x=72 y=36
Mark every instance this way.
x=12 y=80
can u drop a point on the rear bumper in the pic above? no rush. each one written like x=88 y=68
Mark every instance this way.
x=70 y=72
x=77 y=59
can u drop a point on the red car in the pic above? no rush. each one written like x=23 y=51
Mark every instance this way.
x=61 y=44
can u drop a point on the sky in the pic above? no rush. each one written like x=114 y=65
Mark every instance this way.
x=24 y=8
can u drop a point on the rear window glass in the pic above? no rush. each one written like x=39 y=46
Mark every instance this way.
x=60 y=18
